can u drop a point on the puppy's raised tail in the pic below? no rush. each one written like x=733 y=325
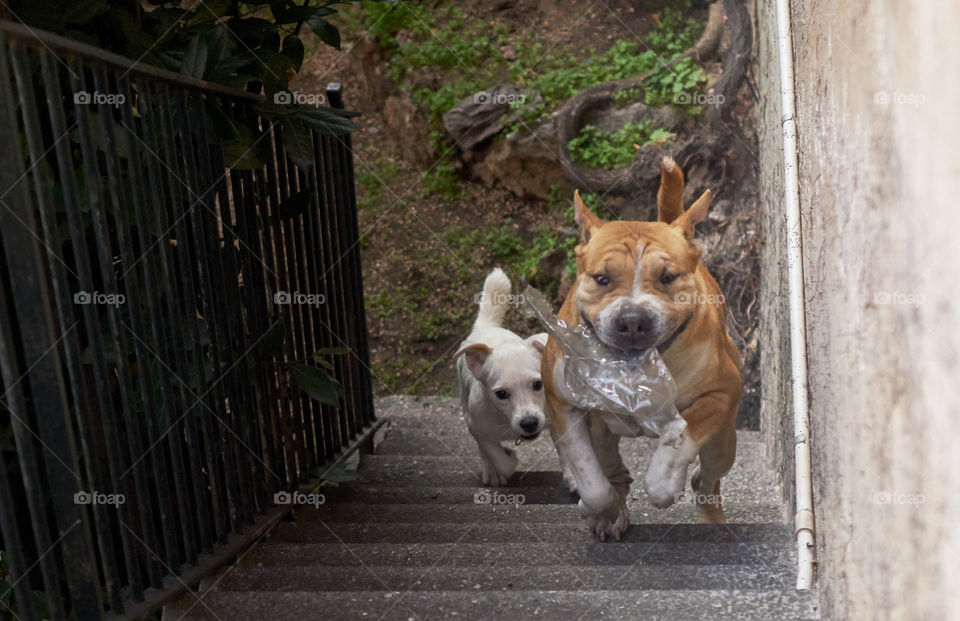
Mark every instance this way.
x=494 y=300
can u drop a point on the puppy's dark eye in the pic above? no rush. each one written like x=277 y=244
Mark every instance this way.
x=502 y=394
x=666 y=278
x=602 y=280
x=538 y=385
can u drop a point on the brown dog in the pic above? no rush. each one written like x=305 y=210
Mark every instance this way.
x=641 y=285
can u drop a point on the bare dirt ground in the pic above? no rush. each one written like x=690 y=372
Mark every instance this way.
x=424 y=254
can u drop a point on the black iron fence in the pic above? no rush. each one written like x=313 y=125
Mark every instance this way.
x=182 y=328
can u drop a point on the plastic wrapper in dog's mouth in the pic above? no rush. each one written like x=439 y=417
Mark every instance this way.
x=639 y=391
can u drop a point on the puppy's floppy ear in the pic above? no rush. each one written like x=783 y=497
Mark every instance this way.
x=694 y=216
x=585 y=218
x=670 y=194
x=475 y=355
x=537 y=341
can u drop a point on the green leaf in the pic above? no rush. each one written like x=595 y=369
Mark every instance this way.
x=209 y=11
x=327 y=32
x=316 y=383
x=329 y=351
x=194 y=59
x=326 y=121
x=242 y=153
x=293 y=49
x=298 y=142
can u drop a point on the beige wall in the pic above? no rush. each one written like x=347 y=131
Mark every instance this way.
x=877 y=108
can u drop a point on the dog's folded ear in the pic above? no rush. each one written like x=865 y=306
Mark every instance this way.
x=475 y=355
x=537 y=341
x=670 y=194
x=585 y=218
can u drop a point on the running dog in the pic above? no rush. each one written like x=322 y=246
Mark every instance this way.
x=641 y=285
x=498 y=376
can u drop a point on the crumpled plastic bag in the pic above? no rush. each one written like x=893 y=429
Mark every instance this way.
x=639 y=391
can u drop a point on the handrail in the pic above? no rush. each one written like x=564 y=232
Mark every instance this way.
x=54 y=42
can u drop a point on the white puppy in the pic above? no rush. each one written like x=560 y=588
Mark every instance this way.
x=498 y=375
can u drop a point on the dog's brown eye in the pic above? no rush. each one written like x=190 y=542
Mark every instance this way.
x=668 y=278
x=538 y=385
x=602 y=280
x=502 y=394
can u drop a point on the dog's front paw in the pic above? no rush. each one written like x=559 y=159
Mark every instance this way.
x=492 y=478
x=666 y=476
x=605 y=512
x=612 y=523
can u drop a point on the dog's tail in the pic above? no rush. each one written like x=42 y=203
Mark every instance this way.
x=494 y=299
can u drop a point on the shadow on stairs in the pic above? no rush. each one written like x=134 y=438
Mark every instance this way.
x=415 y=536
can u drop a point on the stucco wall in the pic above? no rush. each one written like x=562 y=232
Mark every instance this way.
x=877 y=95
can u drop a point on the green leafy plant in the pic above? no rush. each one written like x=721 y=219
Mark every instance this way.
x=313 y=375
x=598 y=148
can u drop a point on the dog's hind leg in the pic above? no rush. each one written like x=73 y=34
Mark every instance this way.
x=498 y=463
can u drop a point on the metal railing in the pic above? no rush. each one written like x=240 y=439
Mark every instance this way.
x=162 y=293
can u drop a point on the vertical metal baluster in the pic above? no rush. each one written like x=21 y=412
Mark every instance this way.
x=354 y=273
x=65 y=311
x=347 y=426
x=256 y=230
x=171 y=355
x=224 y=390
x=44 y=386
x=298 y=402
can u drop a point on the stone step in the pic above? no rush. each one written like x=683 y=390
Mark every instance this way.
x=340 y=512
x=428 y=494
x=506 y=577
x=746 y=483
x=587 y=552
x=655 y=605
x=402 y=440
x=496 y=533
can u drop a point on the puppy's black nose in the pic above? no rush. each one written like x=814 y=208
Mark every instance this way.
x=529 y=424
x=634 y=324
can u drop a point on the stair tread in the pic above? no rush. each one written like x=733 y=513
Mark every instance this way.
x=589 y=551
x=350 y=511
x=742 y=604
x=504 y=577
x=452 y=532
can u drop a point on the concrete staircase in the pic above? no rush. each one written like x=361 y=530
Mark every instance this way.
x=413 y=537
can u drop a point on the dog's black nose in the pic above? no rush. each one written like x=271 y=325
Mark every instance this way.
x=529 y=424
x=634 y=324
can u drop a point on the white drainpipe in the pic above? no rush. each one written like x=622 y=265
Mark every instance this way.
x=806 y=550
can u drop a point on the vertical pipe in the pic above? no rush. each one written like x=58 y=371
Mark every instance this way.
x=804 y=521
